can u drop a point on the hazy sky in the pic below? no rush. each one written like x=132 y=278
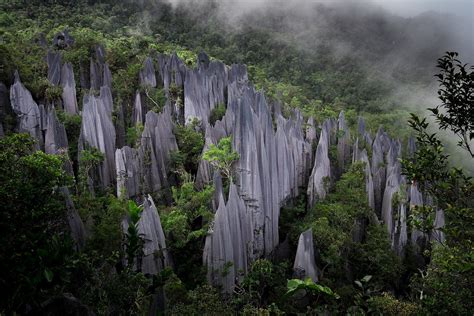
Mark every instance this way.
x=414 y=7
x=400 y=7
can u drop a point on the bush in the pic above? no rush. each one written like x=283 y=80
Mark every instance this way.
x=217 y=113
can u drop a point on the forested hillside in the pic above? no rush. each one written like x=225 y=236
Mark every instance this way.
x=178 y=159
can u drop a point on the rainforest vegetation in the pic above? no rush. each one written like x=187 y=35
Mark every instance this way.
x=361 y=268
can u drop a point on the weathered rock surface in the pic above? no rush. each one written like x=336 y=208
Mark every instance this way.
x=55 y=141
x=172 y=71
x=138 y=114
x=69 y=89
x=54 y=67
x=394 y=202
x=205 y=171
x=27 y=111
x=155 y=254
x=321 y=173
x=147 y=74
x=228 y=245
x=378 y=170
x=98 y=131
x=343 y=143
x=204 y=89
x=127 y=165
x=369 y=183
x=157 y=142
x=305 y=264
x=416 y=199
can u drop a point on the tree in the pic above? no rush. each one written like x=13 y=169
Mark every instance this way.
x=456 y=113
x=222 y=156
x=444 y=284
x=36 y=247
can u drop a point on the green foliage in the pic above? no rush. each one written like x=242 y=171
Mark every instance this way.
x=387 y=304
x=155 y=98
x=134 y=242
x=88 y=160
x=35 y=246
x=134 y=134
x=222 y=156
x=308 y=285
x=217 y=113
x=53 y=93
x=442 y=284
x=190 y=144
x=186 y=224
x=457 y=94
x=203 y=300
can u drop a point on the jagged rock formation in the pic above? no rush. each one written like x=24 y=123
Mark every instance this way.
x=321 y=174
x=343 y=143
x=54 y=67
x=416 y=199
x=369 y=183
x=27 y=111
x=69 y=89
x=378 y=168
x=75 y=222
x=146 y=169
x=155 y=256
x=98 y=131
x=276 y=159
x=394 y=199
x=205 y=171
x=138 y=113
x=204 y=89
x=127 y=164
x=147 y=74
x=172 y=71
x=157 y=142
x=305 y=264
x=55 y=140
x=99 y=71
x=228 y=245
x=155 y=253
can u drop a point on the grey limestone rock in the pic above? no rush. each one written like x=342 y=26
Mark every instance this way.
x=147 y=74
x=54 y=67
x=138 y=114
x=27 y=111
x=55 y=141
x=416 y=199
x=155 y=254
x=127 y=165
x=172 y=71
x=69 y=89
x=228 y=244
x=369 y=183
x=98 y=131
x=204 y=89
x=343 y=143
x=157 y=142
x=378 y=171
x=321 y=173
x=205 y=171
x=305 y=264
